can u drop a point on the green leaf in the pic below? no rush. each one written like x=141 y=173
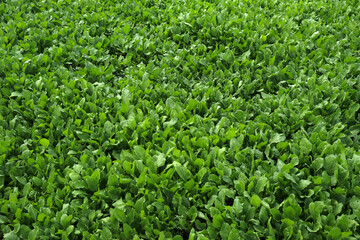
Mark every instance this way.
x=315 y=209
x=126 y=28
x=317 y=164
x=272 y=60
x=234 y=235
x=237 y=206
x=16 y=94
x=225 y=230
x=11 y=236
x=69 y=230
x=288 y=221
x=263 y=214
x=191 y=105
x=231 y=133
x=127 y=230
x=192 y=213
x=108 y=126
x=276 y=213
x=305 y=146
x=106 y=234
x=330 y=164
x=218 y=221
x=304 y=183
x=182 y=171
x=139 y=152
x=160 y=160
x=345 y=223
x=189 y=185
x=141 y=181
x=33 y=233
x=260 y=185
x=44 y=142
x=65 y=220
x=344 y=235
x=276 y=138
x=355 y=204
x=41 y=217
x=255 y=201
x=93 y=180
x=203 y=142
x=334 y=233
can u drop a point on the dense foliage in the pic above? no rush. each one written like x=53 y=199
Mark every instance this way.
x=180 y=119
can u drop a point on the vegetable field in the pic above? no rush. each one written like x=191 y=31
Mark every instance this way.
x=180 y=119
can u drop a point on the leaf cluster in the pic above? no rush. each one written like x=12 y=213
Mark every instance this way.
x=164 y=119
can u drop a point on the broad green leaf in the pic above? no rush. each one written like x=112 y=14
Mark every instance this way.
x=192 y=213
x=334 y=233
x=106 y=233
x=189 y=185
x=191 y=105
x=139 y=152
x=126 y=28
x=182 y=171
x=304 y=183
x=108 y=126
x=218 y=221
x=93 y=181
x=305 y=146
x=33 y=233
x=345 y=223
x=65 y=220
x=234 y=234
x=44 y=142
x=330 y=164
x=127 y=230
x=317 y=164
x=276 y=138
x=41 y=217
x=355 y=203
x=11 y=236
x=255 y=201
x=261 y=184
x=141 y=181
x=160 y=160
x=225 y=230
x=288 y=221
